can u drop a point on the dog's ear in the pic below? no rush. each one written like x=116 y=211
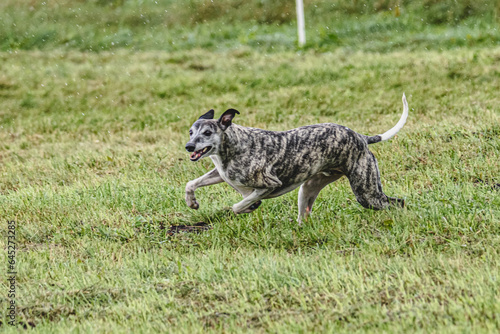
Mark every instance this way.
x=226 y=118
x=208 y=115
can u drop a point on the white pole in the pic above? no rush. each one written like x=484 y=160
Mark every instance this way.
x=301 y=26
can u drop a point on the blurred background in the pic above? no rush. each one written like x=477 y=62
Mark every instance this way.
x=379 y=25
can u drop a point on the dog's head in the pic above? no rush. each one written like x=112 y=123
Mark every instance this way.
x=205 y=134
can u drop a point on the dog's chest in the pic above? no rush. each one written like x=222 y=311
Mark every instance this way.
x=242 y=189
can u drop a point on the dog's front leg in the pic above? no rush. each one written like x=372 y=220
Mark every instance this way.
x=208 y=179
x=247 y=204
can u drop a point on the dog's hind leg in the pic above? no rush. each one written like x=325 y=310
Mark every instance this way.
x=310 y=190
x=208 y=179
x=364 y=178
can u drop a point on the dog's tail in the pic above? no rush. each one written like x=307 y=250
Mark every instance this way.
x=389 y=134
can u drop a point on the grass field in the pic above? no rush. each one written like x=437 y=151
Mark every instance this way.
x=93 y=167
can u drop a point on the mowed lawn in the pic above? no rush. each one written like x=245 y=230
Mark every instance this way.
x=93 y=170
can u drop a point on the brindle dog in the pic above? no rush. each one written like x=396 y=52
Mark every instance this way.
x=263 y=164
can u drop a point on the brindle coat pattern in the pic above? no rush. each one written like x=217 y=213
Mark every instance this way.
x=263 y=164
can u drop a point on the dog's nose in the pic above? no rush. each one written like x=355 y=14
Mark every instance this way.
x=190 y=147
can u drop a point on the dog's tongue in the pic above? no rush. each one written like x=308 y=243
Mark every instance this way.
x=195 y=155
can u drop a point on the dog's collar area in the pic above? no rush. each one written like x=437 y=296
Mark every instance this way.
x=196 y=155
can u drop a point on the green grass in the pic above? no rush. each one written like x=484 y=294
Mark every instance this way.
x=92 y=169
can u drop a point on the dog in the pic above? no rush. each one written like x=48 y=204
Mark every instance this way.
x=262 y=164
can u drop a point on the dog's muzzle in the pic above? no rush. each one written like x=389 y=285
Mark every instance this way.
x=196 y=155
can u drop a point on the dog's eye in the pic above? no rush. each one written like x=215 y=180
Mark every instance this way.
x=207 y=133
x=190 y=132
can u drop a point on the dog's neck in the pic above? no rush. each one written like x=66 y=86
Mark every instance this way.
x=229 y=148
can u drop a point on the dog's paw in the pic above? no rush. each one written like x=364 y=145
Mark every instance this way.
x=398 y=202
x=191 y=202
x=254 y=206
x=251 y=208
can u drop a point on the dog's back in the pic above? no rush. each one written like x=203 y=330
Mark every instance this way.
x=291 y=156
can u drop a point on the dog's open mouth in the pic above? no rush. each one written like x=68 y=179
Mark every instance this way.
x=196 y=155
